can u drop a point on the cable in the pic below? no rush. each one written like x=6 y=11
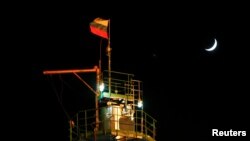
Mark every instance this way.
x=58 y=98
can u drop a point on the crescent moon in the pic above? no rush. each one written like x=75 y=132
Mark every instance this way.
x=213 y=47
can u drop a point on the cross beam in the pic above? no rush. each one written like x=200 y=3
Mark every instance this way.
x=74 y=71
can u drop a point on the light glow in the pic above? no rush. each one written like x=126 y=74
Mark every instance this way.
x=101 y=87
x=140 y=104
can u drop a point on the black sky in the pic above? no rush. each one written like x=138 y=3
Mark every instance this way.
x=190 y=91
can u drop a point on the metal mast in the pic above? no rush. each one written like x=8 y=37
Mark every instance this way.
x=109 y=62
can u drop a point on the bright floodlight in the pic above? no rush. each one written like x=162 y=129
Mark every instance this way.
x=140 y=104
x=101 y=87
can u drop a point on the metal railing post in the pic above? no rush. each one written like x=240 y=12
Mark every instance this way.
x=70 y=130
x=154 y=129
x=86 y=126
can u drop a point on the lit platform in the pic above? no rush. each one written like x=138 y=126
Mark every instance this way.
x=114 y=96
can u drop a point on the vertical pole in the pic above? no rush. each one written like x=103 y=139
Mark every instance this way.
x=96 y=98
x=142 y=122
x=95 y=132
x=109 y=69
x=109 y=61
x=70 y=130
x=153 y=129
x=139 y=90
x=77 y=129
x=146 y=129
x=136 y=122
x=86 y=124
x=100 y=60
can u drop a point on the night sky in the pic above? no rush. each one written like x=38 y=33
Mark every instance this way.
x=187 y=89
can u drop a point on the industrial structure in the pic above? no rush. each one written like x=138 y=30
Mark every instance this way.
x=118 y=113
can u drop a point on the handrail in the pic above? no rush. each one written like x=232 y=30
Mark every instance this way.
x=143 y=125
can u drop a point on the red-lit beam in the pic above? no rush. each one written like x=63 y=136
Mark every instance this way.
x=70 y=71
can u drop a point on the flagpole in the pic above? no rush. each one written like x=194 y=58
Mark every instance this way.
x=109 y=61
x=100 y=60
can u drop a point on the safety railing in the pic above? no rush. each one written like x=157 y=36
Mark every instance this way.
x=140 y=125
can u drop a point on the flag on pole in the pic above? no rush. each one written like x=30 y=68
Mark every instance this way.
x=99 y=27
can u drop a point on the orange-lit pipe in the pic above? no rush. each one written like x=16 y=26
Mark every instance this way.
x=70 y=71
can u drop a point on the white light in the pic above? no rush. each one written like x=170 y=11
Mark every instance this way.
x=101 y=87
x=140 y=104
